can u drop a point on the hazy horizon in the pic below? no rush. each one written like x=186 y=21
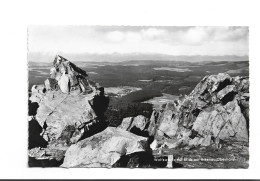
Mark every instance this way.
x=95 y=43
x=117 y=57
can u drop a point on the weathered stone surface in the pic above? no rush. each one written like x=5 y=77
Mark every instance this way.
x=194 y=142
x=137 y=125
x=241 y=83
x=227 y=90
x=154 y=122
x=212 y=83
x=136 y=160
x=126 y=123
x=139 y=122
x=64 y=83
x=104 y=148
x=60 y=110
x=60 y=62
x=205 y=141
x=38 y=92
x=130 y=122
x=168 y=123
x=51 y=84
x=217 y=109
x=38 y=89
x=154 y=145
x=164 y=123
x=36 y=152
x=70 y=77
x=224 y=122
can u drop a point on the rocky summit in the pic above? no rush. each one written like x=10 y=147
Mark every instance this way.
x=216 y=110
x=68 y=126
x=65 y=104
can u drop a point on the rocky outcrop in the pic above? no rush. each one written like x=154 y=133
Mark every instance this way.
x=66 y=118
x=68 y=112
x=212 y=112
x=69 y=77
x=104 y=149
x=216 y=110
x=66 y=102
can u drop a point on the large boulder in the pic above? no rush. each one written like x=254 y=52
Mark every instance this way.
x=60 y=115
x=104 y=149
x=58 y=111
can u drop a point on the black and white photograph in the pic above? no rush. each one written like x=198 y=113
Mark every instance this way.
x=164 y=97
x=130 y=90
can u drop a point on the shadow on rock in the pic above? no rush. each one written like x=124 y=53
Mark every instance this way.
x=139 y=132
x=144 y=160
x=32 y=108
x=35 y=139
x=32 y=162
x=95 y=126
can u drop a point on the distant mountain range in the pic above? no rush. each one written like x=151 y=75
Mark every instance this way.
x=116 y=57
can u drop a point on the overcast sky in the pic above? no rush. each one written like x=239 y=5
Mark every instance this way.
x=126 y=39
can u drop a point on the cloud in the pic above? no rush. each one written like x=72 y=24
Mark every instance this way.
x=195 y=36
x=115 y=36
x=125 y=39
x=153 y=33
x=201 y=35
x=231 y=34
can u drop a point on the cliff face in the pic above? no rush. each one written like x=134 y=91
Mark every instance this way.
x=216 y=110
